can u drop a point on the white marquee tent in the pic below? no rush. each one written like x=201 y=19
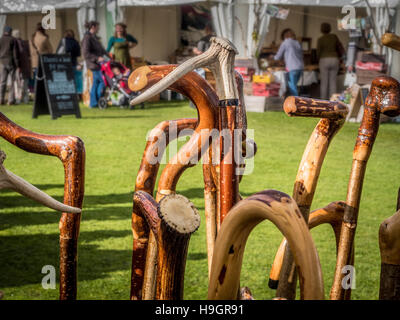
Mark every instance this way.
x=232 y=19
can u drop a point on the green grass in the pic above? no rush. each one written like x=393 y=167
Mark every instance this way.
x=115 y=140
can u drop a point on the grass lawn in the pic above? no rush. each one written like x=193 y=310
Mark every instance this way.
x=114 y=141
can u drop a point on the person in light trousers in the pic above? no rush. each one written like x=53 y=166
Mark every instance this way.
x=329 y=51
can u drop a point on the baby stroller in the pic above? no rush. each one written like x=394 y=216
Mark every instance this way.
x=115 y=77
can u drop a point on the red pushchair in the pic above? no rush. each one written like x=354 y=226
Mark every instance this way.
x=115 y=77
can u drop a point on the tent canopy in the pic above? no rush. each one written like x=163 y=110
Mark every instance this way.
x=14 y=6
x=327 y=3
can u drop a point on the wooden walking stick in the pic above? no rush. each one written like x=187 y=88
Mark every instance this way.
x=205 y=99
x=389 y=245
x=283 y=211
x=194 y=149
x=333 y=116
x=383 y=98
x=220 y=59
x=70 y=150
x=9 y=180
x=331 y=214
x=172 y=221
x=145 y=181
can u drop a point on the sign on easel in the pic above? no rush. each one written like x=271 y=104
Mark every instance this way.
x=55 y=89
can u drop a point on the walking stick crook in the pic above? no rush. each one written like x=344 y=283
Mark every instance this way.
x=280 y=209
x=71 y=152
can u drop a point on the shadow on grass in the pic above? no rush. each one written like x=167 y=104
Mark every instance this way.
x=114 y=117
x=24 y=256
x=92 y=209
x=197 y=256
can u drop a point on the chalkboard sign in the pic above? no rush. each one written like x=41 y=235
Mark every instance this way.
x=55 y=90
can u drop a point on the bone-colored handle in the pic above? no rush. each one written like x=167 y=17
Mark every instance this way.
x=11 y=181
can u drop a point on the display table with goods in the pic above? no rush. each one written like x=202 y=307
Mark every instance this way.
x=265 y=91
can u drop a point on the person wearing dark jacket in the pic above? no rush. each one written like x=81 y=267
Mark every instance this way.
x=24 y=74
x=93 y=53
x=69 y=45
x=8 y=63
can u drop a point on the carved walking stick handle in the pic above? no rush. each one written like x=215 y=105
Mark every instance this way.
x=391 y=40
x=283 y=211
x=332 y=116
x=308 y=107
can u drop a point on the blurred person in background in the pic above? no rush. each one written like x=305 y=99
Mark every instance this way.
x=291 y=52
x=121 y=41
x=39 y=44
x=329 y=52
x=94 y=54
x=8 y=64
x=24 y=71
x=68 y=45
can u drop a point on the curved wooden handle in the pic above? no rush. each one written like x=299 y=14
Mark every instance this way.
x=331 y=214
x=391 y=40
x=308 y=107
x=280 y=209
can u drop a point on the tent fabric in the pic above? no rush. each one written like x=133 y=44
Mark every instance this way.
x=3 y=18
x=328 y=3
x=12 y=6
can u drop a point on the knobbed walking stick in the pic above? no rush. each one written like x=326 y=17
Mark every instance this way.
x=193 y=150
x=220 y=59
x=71 y=151
x=145 y=181
x=283 y=211
x=204 y=97
x=172 y=221
x=333 y=116
x=384 y=97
